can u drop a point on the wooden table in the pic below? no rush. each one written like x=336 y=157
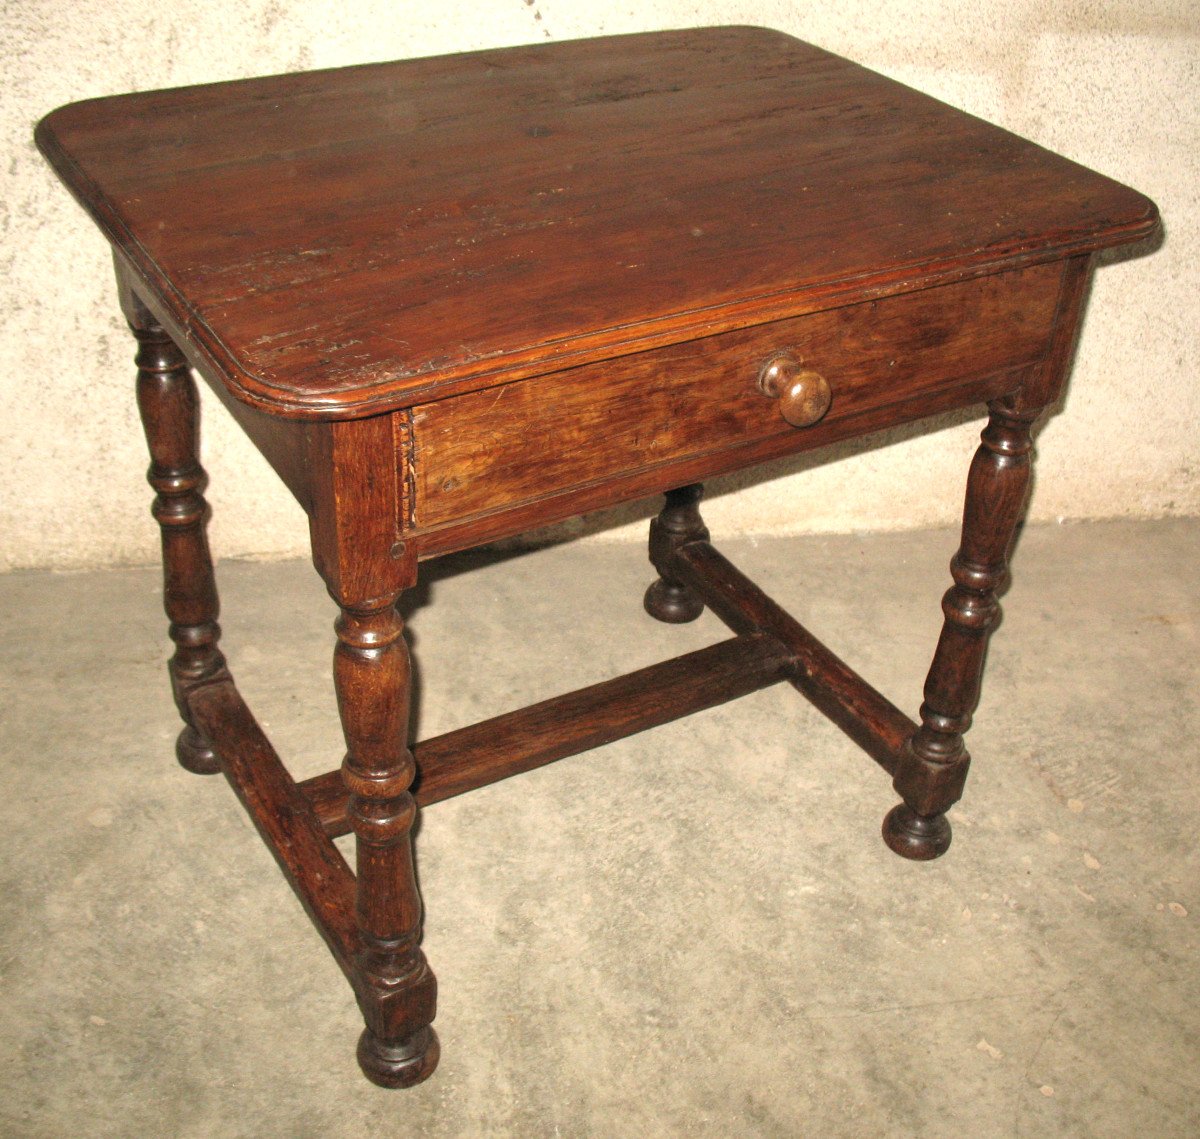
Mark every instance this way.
x=451 y=299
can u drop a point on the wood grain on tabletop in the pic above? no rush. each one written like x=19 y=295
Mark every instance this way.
x=343 y=242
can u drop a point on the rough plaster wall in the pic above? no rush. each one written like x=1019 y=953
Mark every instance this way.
x=1115 y=85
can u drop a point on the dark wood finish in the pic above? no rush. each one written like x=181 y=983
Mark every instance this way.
x=835 y=689
x=679 y=521
x=933 y=765
x=656 y=408
x=532 y=737
x=366 y=567
x=397 y=990
x=346 y=242
x=640 y=482
x=451 y=299
x=287 y=823
x=170 y=409
x=804 y=395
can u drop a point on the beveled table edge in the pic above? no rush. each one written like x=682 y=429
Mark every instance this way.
x=218 y=363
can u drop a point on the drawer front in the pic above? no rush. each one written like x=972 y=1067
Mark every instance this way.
x=489 y=450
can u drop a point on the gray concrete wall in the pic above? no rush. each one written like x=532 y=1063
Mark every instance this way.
x=1111 y=84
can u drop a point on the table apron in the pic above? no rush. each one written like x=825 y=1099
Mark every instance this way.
x=490 y=464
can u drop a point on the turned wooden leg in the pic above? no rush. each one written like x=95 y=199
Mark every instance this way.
x=678 y=523
x=933 y=763
x=396 y=989
x=170 y=411
x=366 y=566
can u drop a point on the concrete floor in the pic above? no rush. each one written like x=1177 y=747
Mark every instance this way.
x=694 y=931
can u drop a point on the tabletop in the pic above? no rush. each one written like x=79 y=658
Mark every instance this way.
x=345 y=242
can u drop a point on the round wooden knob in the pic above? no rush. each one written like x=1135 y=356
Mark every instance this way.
x=804 y=395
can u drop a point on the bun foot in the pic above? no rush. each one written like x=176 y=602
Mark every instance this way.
x=913 y=836
x=675 y=604
x=195 y=753
x=398 y=1065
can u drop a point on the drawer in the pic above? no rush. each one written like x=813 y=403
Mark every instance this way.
x=531 y=439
